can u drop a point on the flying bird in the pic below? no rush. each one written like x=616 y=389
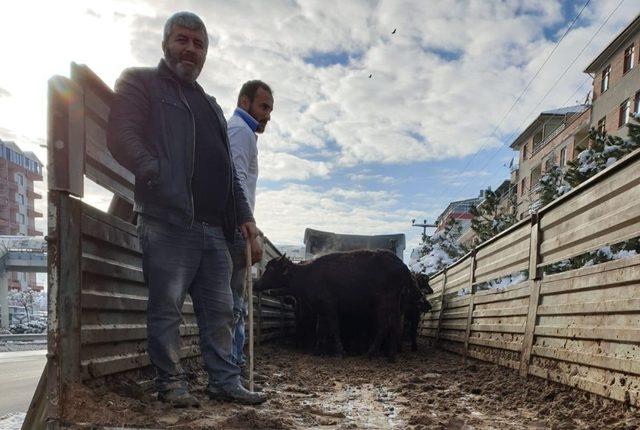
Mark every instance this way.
x=394 y=31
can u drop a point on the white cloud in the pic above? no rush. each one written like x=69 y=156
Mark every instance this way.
x=368 y=178
x=278 y=166
x=457 y=178
x=440 y=85
x=285 y=213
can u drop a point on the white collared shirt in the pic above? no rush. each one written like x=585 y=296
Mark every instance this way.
x=244 y=150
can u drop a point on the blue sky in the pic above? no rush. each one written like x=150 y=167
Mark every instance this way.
x=344 y=152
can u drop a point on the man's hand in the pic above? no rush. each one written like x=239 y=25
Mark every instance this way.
x=249 y=230
x=256 y=250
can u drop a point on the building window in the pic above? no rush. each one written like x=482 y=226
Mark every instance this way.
x=604 y=84
x=628 y=59
x=602 y=125
x=19 y=179
x=538 y=137
x=625 y=110
x=548 y=164
x=563 y=156
x=636 y=104
x=524 y=152
x=20 y=218
x=20 y=199
x=523 y=184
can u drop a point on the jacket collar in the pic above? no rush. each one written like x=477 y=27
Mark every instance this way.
x=248 y=119
x=165 y=72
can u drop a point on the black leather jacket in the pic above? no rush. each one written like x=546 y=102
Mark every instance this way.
x=151 y=132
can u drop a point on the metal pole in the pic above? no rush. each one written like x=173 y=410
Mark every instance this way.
x=249 y=289
x=422 y=225
x=4 y=299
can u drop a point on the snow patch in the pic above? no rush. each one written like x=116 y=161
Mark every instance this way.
x=12 y=421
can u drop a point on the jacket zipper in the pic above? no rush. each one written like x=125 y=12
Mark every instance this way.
x=193 y=153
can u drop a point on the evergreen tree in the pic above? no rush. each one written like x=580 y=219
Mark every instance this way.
x=488 y=219
x=439 y=250
x=605 y=151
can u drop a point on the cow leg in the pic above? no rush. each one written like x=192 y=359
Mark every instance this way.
x=402 y=328
x=333 y=324
x=413 y=332
x=395 y=334
x=382 y=319
x=320 y=346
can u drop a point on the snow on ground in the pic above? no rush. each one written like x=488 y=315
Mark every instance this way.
x=12 y=421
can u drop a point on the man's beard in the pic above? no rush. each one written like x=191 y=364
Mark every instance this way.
x=261 y=126
x=186 y=74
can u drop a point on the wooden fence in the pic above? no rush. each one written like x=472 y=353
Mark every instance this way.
x=97 y=296
x=580 y=327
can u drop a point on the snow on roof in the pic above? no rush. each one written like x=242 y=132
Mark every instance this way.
x=535 y=124
x=566 y=110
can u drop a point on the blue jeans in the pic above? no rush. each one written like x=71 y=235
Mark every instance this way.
x=177 y=261
x=238 y=257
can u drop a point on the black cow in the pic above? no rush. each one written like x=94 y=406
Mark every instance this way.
x=414 y=304
x=422 y=281
x=362 y=282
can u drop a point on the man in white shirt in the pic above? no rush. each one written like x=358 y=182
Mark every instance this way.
x=255 y=103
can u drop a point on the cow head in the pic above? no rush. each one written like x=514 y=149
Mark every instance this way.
x=423 y=283
x=276 y=274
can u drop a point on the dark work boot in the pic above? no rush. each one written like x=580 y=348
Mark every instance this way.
x=236 y=393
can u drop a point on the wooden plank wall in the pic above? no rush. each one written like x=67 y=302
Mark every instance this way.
x=579 y=328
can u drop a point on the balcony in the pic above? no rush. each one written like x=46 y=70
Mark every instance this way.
x=32 y=213
x=34 y=232
x=34 y=176
x=32 y=195
x=538 y=146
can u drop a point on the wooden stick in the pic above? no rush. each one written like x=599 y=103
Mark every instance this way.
x=249 y=290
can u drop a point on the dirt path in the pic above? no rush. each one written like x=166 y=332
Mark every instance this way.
x=426 y=390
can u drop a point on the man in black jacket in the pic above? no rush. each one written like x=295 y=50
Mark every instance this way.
x=173 y=137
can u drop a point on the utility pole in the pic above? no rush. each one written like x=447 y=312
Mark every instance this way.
x=423 y=225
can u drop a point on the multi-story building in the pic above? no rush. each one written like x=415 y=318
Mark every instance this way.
x=18 y=172
x=468 y=237
x=459 y=211
x=552 y=139
x=616 y=81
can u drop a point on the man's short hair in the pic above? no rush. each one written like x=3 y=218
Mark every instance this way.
x=187 y=20
x=250 y=88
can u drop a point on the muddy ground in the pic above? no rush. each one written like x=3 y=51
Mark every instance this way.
x=431 y=389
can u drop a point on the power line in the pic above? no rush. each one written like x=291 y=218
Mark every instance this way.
x=557 y=81
x=555 y=84
x=529 y=83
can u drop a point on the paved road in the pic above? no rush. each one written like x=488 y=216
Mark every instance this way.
x=19 y=374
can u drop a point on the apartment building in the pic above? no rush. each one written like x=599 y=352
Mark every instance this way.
x=459 y=211
x=616 y=81
x=18 y=172
x=552 y=139
x=468 y=237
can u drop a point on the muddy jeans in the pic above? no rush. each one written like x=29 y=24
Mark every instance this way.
x=177 y=261
x=238 y=257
